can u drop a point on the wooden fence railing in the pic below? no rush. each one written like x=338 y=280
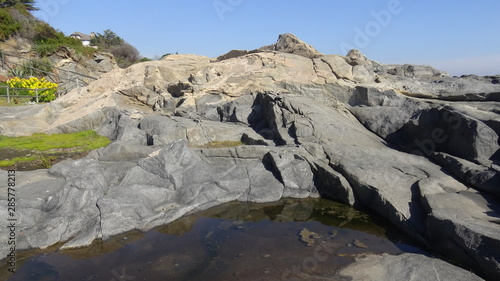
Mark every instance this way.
x=8 y=94
x=66 y=79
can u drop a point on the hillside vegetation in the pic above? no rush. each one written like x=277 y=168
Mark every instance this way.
x=16 y=21
x=124 y=53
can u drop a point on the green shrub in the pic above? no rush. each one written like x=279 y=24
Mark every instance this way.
x=27 y=22
x=8 y=26
x=19 y=71
x=145 y=59
x=50 y=45
x=43 y=32
x=124 y=53
x=27 y=5
x=3 y=90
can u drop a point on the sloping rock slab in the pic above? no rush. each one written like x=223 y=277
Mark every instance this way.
x=464 y=225
x=405 y=267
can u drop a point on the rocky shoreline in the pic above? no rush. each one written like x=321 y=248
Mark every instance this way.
x=408 y=142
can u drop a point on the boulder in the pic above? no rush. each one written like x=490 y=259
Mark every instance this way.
x=355 y=57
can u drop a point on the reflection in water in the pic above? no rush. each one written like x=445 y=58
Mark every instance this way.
x=286 y=240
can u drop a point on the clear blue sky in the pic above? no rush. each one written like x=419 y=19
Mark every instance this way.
x=460 y=37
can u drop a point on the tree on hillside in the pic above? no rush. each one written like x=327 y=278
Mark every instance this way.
x=107 y=40
x=125 y=54
x=29 y=5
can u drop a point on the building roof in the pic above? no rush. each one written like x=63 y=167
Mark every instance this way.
x=82 y=36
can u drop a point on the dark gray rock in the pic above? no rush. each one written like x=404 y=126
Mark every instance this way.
x=295 y=173
x=264 y=186
x=240 y=110
x=70 y=213
x=424 y=128
x=442 y=130
x=332 y=184
x=272 y=120
x=171 y=162
x=131 y=207
x=162 y=129
x=128 y=131
x=463 y=225
x=384 y=113
x=123 y=151
x=478 y=176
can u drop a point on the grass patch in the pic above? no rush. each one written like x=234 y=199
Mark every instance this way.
x=221 y=144
x=86 y=140
x=44 y=161
x=41 y=150
x=12 y=162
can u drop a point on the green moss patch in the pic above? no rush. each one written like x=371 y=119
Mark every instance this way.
x=86 y=140
x=12 y=162
x=42 y=150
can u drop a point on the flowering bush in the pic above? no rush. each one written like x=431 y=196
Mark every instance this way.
x=46 y=90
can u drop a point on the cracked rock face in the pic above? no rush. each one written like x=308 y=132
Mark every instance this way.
x=410 y=143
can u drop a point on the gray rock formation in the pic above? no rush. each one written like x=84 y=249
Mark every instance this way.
x=410 y=143
x=404 y=267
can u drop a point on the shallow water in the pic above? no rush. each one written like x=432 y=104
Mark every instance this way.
x=286 y=240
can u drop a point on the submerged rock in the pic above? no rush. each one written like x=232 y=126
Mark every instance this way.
x=309 y=237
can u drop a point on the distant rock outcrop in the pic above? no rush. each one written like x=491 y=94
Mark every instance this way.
x=410 y=143
x=289 y=43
